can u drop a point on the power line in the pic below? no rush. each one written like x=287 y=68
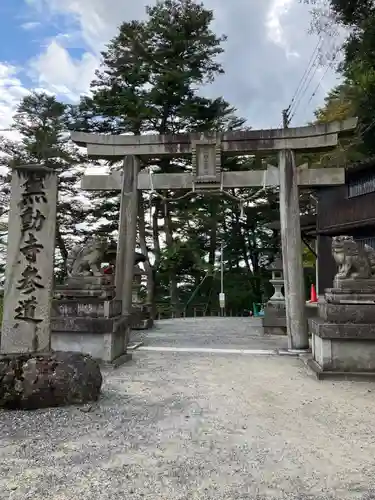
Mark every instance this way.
x=307 y=85
x=328 y=66
x=310 y=65
x=297 y=94
x=315 y=90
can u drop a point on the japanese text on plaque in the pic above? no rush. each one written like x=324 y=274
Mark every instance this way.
x=32 y=202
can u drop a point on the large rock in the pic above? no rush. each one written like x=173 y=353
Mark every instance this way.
x=30 y=381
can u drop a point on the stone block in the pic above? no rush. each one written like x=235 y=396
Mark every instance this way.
x=343 y=355
x=105 y=292
x=311 y=309
x=141 y=317
x=337 y=375
x=336 y=296
x=347 y=313
x=345 y=331
x=88 y=282
x=86 y=307
x=274 y=330
x=274 y=319
x=354 y=285
x=90 y=325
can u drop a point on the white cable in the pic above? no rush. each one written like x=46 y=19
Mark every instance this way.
x=151 y=181
x=264 y=179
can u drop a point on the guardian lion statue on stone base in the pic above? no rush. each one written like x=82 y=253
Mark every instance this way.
x=86 y=259
x=354 y=261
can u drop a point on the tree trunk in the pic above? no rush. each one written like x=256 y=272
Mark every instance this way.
x=157 y=253
x=143 y=245
x=242 y=240
x=213 y=234
x=254 y=256
x=60 y=243
x=155 y=232
x=172 y=275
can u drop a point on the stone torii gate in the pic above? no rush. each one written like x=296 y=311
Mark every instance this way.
x=206 y=150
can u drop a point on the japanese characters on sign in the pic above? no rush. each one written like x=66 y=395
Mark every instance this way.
x=206 y=159
x=32 y=220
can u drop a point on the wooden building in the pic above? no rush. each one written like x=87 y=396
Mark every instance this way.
x=340 y=210
x=347 y=209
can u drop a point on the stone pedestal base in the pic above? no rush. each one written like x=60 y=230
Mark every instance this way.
x=90 y=325
x=141 y=317
x=274 y=319
x=343 y=336
x=342 y=348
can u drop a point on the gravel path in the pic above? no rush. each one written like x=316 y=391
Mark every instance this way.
x=191 y=426
x=211 y=332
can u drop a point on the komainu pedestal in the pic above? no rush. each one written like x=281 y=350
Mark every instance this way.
x=343 y=335
x=86 y=317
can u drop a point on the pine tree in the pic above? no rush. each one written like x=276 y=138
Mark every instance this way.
x=42 y=124
x=149 y=81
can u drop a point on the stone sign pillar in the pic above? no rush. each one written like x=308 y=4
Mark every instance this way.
x=31 y=375
x=30 y=261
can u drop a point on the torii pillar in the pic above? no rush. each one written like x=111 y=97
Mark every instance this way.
x=291 y=245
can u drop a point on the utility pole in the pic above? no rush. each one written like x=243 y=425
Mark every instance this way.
x=286 y=119
x=222 y=294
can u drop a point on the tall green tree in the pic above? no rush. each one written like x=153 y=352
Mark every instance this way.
x=149 y=81
x=42 y=122
x=357 y=67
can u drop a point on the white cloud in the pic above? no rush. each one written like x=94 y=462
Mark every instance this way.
x=11 y=92
x=265 y=56
x=92 y=24
x=275 y=30
x=98 y=20
x=31 y=25
x=56 y=70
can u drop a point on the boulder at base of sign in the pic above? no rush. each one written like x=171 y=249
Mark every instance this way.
x=30 y=381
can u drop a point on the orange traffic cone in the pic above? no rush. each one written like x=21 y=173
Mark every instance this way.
x=313 y=296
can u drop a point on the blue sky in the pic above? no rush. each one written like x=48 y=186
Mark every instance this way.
x=54 y=45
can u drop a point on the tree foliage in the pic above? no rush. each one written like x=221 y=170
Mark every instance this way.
x=356 y=96
x=149 y=81
x=41 y=122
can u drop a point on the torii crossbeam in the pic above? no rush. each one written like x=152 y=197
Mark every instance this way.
x=206 y=150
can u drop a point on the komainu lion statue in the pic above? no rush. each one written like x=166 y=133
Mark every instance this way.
x=354 y=261
x=86 y=259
